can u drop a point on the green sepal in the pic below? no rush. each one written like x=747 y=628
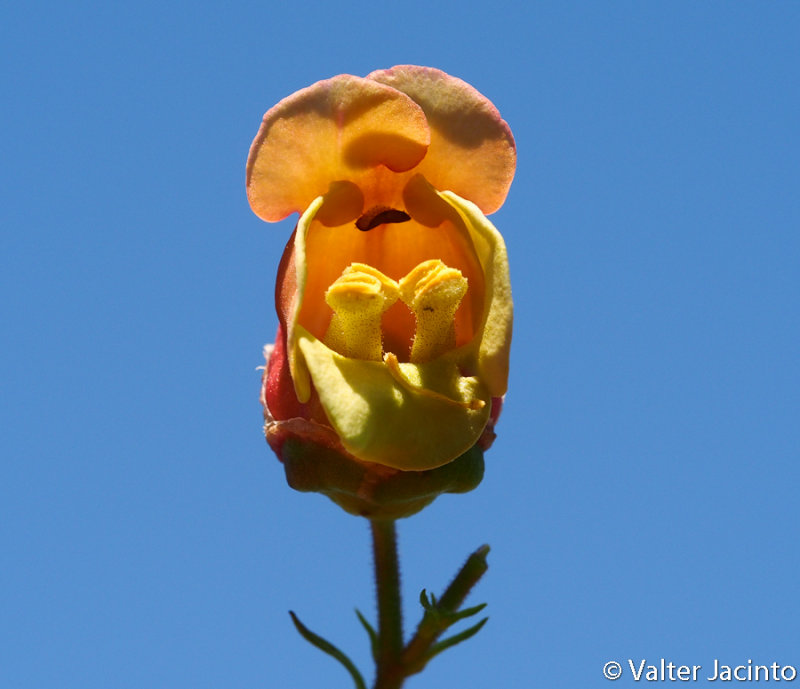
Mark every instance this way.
x=374 y=492
x=327 y=647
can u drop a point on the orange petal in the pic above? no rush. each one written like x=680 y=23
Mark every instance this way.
x=336 y=130
x=472 y=150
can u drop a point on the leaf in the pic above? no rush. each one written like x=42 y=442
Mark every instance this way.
x=330 y=649
x=452 y=618
x=373 y=635
x=424 y=602
x=456 y=639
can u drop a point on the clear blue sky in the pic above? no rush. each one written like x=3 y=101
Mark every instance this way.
x=642 y=498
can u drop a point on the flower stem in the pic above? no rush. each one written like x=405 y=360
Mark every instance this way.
x=390 y=673
x=417 y=652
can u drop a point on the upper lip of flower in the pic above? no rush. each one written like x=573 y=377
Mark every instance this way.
x=377 y=132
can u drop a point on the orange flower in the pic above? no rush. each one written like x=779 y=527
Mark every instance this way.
x=393 y=294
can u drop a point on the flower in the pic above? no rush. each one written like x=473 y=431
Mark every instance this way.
x=393 y=293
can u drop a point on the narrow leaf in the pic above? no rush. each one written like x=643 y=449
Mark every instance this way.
x=467 y=612
x=423 y=599
x=436 y=649
x=373 y=635
x=330 y=649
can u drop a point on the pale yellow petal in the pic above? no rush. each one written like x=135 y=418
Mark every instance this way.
x=494 y=339
x=427 y=419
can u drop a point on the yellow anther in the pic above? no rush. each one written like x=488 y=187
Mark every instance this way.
x=433 y=292
x=358 y=299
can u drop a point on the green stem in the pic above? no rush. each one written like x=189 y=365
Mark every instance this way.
x=473 y=569
x=416 y=654
x=390 y=673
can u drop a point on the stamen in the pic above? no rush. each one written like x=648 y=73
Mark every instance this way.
x=433 y=292
x=358 y=299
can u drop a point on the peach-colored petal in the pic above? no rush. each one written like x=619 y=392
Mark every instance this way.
x=338 y=130
x=472 y=150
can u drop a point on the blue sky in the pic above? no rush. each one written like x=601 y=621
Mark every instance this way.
x=641 y=500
